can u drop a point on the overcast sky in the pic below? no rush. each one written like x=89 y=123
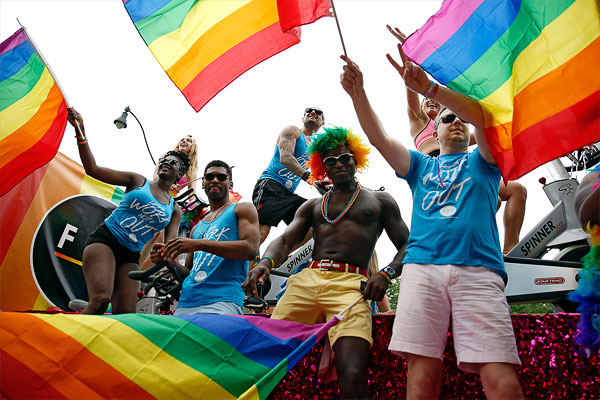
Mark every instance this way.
x=103 y=65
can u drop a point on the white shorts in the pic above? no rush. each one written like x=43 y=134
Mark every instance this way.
x=220 y=307
x=471 y=297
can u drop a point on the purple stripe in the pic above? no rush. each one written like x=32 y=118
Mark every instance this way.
x=16 y=39
x=285 y=329
x=451 y=16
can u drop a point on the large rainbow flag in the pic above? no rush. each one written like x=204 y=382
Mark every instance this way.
x=33 y=112
x=148 y=356
x=533 y=66
x=44 y=223
x=204 y=45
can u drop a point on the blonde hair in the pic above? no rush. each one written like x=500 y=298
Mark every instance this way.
x=193 y=157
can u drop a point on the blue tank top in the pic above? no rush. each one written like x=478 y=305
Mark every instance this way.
x=215 y=278
x=138 y=217
x=279 y=173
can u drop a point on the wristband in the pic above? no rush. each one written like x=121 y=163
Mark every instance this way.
x=385 y=275
x=306 y=175
x=270 y=259
x=431 y=90
x=82 y=142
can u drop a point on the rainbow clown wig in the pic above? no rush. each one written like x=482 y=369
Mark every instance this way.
x=331 y=138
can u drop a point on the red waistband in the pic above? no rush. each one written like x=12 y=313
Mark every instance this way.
x=338 y=266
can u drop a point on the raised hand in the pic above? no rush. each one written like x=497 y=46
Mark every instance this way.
x=352 y=78
x=397 y=34
x=414 y=77
x=76 y=121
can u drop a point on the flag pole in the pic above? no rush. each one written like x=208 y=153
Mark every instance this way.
x=78 y=128
x=338 y=27
x=340 y=316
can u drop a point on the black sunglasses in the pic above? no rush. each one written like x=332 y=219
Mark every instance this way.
x=220 y=177
x=309 y=110
x=170 y=161
x=343 y=158
x=449 y=118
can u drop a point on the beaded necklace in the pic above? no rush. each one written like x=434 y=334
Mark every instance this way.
x=213 y=220
x=325 y=202
x=444 y=184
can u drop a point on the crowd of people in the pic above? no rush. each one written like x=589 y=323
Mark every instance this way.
x=450 y=264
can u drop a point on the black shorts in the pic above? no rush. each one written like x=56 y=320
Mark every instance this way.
x=275 y=203
x=122 y=254
x=434 y=153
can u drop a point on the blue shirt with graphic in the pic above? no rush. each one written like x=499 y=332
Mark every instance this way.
x=215 y=278
x=138 y=217
x=454 y=210
x=279 y=173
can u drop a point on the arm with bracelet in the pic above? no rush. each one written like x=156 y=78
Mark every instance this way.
x=279 y=248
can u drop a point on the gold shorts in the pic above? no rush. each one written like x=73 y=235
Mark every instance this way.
x=314 y=296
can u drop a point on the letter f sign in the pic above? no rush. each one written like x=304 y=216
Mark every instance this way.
x=66 y=235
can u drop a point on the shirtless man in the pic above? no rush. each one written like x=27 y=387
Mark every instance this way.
x=273 y=195
x=346 y=224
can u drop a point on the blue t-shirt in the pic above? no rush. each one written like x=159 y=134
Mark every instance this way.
x=279 y=173
x=215 y=278
x=138 y=217
x=454 y=210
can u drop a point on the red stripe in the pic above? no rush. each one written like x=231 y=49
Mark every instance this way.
x=17 y=381
x=14 y=205
x=300 y=12
x=568 y=130
x=38 y=155
x=237 y=60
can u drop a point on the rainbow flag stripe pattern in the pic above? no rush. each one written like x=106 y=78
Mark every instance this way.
x=22 y=210
x=533 y=66
x=33 y=112
x=148 y=356
x=204 y=45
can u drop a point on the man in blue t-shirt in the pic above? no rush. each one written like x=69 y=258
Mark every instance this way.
x=218 y=251
x=453 y=267
x=273 y=194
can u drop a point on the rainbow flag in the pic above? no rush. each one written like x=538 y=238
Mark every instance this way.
x=533 y=66
x=205 y=45
x=33 y=112
x=148 y=356
x=44 y=223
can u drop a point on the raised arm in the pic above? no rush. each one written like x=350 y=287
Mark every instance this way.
x=279 y=248
x=287 y=143
x=465 y=107
x=391 y=149
x=416 y=116
x=121 y=178
x=397 y=231
x=245 y=248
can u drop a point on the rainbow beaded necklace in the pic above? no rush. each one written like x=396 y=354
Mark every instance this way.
x=325 y=202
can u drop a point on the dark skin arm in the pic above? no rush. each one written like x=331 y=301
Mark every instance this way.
x=397 y=231
x=130 y=180
x=243 y=249
x=280 y=247
x=587 y=201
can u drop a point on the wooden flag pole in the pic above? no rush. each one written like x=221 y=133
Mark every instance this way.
x=338 y=27
x=340 y=316
x=78 y=128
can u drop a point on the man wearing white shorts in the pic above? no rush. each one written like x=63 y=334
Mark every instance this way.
x=453 y=266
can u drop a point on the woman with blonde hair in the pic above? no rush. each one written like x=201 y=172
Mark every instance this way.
x=187 y=145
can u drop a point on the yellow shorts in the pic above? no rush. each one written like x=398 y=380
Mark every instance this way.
x=314 y=296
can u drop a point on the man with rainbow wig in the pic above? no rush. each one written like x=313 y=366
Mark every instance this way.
x=346 y=223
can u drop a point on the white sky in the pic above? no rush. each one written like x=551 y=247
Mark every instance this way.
x=103 y=65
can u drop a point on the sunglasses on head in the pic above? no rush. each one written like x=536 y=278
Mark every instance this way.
x=317 y=111
x=220 y=177
x=343 y=158
x=170 y=161
x=449 y=118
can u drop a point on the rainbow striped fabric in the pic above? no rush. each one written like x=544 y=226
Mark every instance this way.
x=148 y=356
x=33 y=112
x=533 y=66
x=205 y=45
x=44 y=223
